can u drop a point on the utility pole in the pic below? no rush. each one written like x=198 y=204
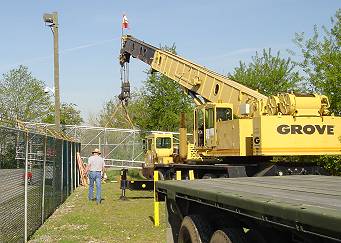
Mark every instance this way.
x=51 y=19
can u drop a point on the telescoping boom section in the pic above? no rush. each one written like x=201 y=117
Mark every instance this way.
x=197 y=80
x=231 y=119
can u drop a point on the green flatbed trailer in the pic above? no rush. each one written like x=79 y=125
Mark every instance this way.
x=302 y=208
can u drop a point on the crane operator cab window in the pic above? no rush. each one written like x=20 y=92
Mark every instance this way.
x=163 y=143
x=205 y=122
x=224 y=114
x=149 y=143
x=209 y=126
x=200 y=126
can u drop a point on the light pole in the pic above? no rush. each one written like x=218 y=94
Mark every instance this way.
x=51 y=19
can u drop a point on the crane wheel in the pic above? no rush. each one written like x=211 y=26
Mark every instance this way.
x=228 y=235
x=194 y=229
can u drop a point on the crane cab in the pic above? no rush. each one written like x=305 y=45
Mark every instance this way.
x=159 y=149
x=206 y=119
x=216 y=133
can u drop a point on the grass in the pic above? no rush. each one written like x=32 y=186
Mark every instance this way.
x=79 y=220
x=132 y=174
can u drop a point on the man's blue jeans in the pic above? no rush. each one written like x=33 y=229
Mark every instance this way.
x=95 y=176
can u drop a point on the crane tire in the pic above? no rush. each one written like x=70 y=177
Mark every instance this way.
x=194 y=229
x=228 y=235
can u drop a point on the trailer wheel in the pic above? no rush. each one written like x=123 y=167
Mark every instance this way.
x=253 y=236
x=161 y=175
x=194 y=230
x=228 y=235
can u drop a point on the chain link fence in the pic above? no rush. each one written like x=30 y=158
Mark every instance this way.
x=37 y=173
x=120 y=147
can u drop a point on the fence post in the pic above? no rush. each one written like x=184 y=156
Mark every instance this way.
x=133 y=153
x=26 y=187
x=71 y=165
x=74 y=165
x=156 y=202
x=44 y=175
x=62 y=174
x=67 y=168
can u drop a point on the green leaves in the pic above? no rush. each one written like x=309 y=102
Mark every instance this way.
x=268 y=73
x=322 y=61
x=322 y=66
x=69 y=115
x=163 y=101
x=22 y=96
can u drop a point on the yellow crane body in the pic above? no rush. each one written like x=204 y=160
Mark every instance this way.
x=231 y=119
x=287 y=135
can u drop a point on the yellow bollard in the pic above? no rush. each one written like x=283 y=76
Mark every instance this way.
x=178 y=175
x=156 y=203
x=191 y=174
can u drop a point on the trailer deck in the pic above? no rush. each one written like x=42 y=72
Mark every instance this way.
x=310 y=204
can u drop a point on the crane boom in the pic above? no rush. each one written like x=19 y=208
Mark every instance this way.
x=197 y=80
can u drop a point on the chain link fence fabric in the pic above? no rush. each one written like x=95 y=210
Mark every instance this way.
x=37 y=173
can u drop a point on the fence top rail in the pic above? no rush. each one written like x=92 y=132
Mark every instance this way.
x=88 y=127
x=22 y=127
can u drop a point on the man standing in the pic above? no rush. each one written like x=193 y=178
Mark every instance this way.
x=95 y=168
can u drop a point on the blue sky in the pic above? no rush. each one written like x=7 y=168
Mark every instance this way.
x=217 y=34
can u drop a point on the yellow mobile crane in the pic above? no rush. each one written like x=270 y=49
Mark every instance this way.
x=239 y=127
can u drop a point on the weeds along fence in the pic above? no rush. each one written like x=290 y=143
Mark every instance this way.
x=37 y=173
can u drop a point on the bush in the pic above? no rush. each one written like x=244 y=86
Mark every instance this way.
x=331 y=163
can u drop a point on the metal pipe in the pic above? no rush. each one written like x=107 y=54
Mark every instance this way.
x=71 y=166
x=74 y=164
x=26 y=188
x=183 y=137
x=44 y=176
x=67 y=168
x=62 y=174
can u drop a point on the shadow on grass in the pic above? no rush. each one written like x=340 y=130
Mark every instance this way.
x=141 y=197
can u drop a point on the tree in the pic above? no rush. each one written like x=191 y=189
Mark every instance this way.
x=322 y=66
x=322 y=61
x=22 y=96
x=113 y=114
x=162 y=101
x=69 y=115
x=268 y=74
